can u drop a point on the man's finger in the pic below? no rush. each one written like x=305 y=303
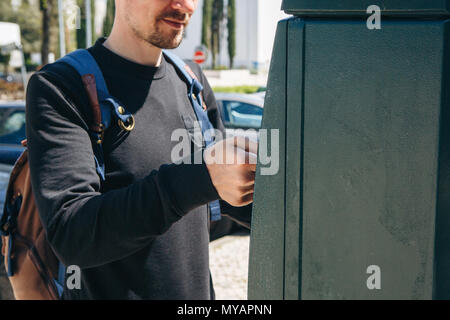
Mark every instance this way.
x=249 y=179
x=247 y=199
x=248 y=190
x=246 y=143
x=251 y=159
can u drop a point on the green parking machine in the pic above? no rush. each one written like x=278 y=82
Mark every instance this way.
x=359 y=206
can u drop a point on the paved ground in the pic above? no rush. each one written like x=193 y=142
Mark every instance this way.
x=229 y=266
x=5 y=288
x=231 y=78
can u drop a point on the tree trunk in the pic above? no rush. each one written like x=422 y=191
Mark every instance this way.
x=217 y=17
x=231 y=24
x=109 y=19
x=46 y=8
x=206 y=23
x=81 y=32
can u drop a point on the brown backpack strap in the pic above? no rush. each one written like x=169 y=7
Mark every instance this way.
x=91 y=90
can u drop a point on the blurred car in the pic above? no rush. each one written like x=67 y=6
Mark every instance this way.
x=5 y=171
x=6 y=77
x=260 y=94
x=12 y=131
x=241 y=111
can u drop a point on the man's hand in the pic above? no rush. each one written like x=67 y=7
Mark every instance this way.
x=232 y=165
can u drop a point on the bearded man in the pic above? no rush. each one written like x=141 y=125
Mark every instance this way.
x=142 y=233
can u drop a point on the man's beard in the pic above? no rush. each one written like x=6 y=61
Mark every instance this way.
x=165 y=40
x=160 y=40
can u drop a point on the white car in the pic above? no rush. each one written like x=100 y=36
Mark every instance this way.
x=241 y=111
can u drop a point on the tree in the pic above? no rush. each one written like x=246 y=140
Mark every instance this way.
x=231 y=24
x=4 y=60
x=46 y=8
x=81 y=32
x=109 y=19
x=216 y=26
x=28 y=17
x=31 y=22
x=206 y=23
x=6 y=14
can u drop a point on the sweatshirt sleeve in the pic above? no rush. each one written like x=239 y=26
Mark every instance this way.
x=241 y=215
x=85 y=227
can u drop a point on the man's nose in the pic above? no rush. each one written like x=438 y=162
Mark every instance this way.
x=185 y=6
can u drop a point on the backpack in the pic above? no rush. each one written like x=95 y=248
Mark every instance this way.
x=33 y=268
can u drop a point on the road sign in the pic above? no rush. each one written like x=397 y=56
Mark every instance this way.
x=199 y=56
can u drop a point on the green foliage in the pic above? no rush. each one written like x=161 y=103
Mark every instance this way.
x=6 y=12
x=109 y=19
x=43 y=4
x=45 y=7
x=81 y=32
x=4 y=60
x=231 y=24
x=220 y=67
x=216 y=23
x=237 y=89
x=213 y=17
x=29 y=19
x=206 y=23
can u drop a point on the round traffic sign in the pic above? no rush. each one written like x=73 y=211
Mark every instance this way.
x=199 y=57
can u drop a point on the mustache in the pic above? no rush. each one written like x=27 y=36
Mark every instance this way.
x=175 y=15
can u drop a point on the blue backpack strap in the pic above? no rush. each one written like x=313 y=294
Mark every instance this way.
x=194 y=95
x=85 y=64
x=82 y=61
x=195 y=89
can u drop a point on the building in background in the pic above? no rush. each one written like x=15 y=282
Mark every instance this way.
x=256 y=22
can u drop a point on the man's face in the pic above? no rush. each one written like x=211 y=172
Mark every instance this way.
x=159 y=22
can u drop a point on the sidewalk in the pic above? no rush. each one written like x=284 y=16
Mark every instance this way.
x=232 y=78
x=228 y=258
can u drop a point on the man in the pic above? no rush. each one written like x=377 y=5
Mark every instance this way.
x=143 y=233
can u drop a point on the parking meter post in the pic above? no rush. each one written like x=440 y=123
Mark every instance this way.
x=360 y=207
x=294 y=159
x=266 y=269
x=357 y=8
